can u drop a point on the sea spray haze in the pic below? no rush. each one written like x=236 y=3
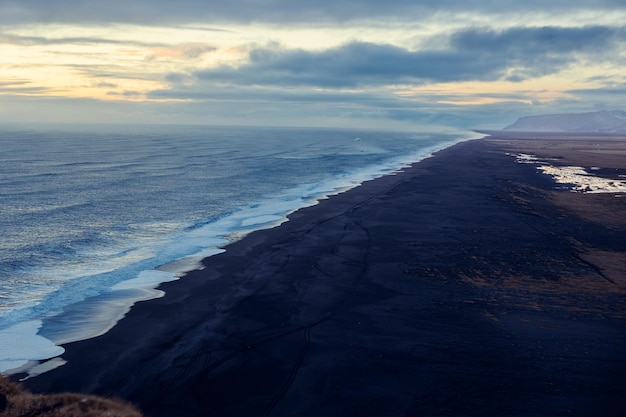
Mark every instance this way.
x=93 y=218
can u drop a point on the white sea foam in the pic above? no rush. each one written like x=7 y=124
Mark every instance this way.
x=99 y=294
x=21 y=344
x=263 y=219
x=146 y=279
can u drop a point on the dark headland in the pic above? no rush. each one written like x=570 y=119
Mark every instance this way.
x=467 y=285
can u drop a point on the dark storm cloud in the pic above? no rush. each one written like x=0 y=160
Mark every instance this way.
x=351 y=65
x=473 y=54
x=543 y=40
x=159 y=11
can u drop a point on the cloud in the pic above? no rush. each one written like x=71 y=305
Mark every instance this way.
x=243 y=11
x=19 y=86
x=380 y=65
x=187 y=51
x=41 y=40
x=525 y=41
x=357 y=80
x=12 y=83
x=295 y=97
x=126 y=93
x=373 y=105
x=350 y=66
x=602 y=98
x=105 y=85
x=472 y=55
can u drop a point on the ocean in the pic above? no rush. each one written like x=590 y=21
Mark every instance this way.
x=93 y=218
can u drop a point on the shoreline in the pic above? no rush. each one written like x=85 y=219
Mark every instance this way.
x=444 y=287
x=96 y=315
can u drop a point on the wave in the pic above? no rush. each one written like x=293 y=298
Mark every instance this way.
x=98 y=283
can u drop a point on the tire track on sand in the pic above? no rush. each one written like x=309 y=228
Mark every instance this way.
x=294 y=372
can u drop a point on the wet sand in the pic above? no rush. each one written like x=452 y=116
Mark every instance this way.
x=467 y=285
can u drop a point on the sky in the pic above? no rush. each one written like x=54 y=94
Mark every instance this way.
x=393 y=64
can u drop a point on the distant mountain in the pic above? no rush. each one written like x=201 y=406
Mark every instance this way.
x=605 y=121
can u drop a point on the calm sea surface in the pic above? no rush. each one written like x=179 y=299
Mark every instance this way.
x=93 y=218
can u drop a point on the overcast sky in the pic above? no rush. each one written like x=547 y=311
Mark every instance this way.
x=350 y=63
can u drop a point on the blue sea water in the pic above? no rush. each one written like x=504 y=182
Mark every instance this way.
x=94 y=217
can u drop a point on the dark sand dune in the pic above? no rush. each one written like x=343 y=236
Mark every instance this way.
x=464 y=286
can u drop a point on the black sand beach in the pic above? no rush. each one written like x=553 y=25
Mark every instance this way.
x=466 y=285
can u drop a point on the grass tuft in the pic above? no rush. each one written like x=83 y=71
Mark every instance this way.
x=17 y=402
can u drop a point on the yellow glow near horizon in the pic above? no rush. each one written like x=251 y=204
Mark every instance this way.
x=124 y=62
x=542 y=89
x=480 y=93
x=103 y=63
